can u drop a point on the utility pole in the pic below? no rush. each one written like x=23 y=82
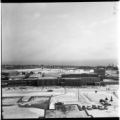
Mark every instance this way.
x=78 y=94
x=2 y=113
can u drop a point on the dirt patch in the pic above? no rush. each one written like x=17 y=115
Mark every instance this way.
x=71 y=111
x=8 y=101
x=36 y=102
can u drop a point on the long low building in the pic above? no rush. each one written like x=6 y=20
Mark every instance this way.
x=79 y=81
x=64 y=80
x=79 y=75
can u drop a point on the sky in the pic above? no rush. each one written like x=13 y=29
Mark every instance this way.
x=83 y=33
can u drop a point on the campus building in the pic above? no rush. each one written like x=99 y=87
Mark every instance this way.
x=63 y=80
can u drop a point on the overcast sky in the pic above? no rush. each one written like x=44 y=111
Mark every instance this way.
x=59 y=33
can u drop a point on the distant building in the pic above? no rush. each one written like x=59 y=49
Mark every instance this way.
x=79 y=79
x=100 y=71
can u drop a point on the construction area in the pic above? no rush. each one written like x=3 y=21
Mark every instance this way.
x=71 y=94
x=64 y=102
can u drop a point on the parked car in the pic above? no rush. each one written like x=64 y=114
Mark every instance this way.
x=49 y=90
